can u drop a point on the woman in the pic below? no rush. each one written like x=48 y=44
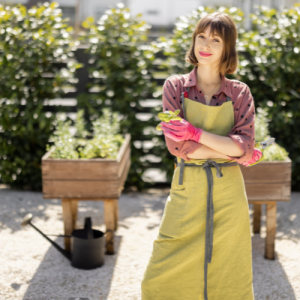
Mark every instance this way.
x=203 y=249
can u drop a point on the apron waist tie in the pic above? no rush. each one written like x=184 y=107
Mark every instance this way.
x=209 y=208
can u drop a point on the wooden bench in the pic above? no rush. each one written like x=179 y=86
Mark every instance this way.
x=267 y=183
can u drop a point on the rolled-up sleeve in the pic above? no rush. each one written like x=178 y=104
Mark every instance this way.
x=243 y=133
x=171 y=101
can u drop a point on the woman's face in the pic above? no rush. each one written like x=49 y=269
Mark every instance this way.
x=208 y=44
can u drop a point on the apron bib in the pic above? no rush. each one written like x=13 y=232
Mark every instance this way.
x=203 y=250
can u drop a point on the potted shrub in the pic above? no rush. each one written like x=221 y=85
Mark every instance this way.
x=84 y=166
x=267 y=182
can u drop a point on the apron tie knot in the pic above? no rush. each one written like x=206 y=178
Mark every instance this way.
x=209 y=163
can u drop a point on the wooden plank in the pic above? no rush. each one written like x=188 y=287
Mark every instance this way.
x=261 y=201
x=68 y=222
x=268 y=191
x=86 y=169
x=124 y=175
x=271 y=231
x=124 y=147
x=79 y=170
x=74 y=208
x=109 y=219
x=256 y=218
x=123 y=162
x=80 y=189
x=116 y=213
x=268 y=172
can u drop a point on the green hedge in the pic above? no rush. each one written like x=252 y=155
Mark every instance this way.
x=122 y=72
x=268 y=62
x=271 y=68
x=31 y=42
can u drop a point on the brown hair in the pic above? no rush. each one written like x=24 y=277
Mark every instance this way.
x=222 y=25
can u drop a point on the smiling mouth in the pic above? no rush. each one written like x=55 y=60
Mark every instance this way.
x=205 y=54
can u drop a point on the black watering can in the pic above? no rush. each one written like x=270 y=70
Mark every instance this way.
x=87 y=245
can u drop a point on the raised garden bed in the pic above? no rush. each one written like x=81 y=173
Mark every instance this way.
x=267 y=183
x=98 y=179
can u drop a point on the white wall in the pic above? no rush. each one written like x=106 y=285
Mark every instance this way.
x=162 y=12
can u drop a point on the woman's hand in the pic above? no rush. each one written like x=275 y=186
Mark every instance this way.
x=181 y=131
x=257 y=155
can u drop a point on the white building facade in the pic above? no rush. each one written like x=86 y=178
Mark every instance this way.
x=161 y=13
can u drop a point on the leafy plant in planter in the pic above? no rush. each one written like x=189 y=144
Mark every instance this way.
x=32 y=44
x=104 y=143
x=273 y=152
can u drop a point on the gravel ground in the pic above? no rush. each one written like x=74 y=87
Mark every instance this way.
x=32 y=269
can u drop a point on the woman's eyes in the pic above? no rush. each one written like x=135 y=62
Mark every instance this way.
x=203 y=36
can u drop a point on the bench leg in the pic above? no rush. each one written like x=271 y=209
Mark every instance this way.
x=69 y=208
x=116 y=212
x=256 y=218
x=109 y=219
x=271 y=230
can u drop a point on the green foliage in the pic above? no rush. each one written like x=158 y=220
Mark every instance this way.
x=105 y=143
x=261 y=125
x=32 y=43
x=167 y=116
x=63 y=140
x=122 y=71
x=268 y=63
x=273 y=151
x=270 y=66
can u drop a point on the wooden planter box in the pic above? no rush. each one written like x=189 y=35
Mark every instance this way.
x=87 y=179
x=267 y=183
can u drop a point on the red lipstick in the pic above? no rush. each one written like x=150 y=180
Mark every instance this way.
x=205 y=54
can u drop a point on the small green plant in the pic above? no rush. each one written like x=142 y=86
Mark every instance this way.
x=273 y=151
x=104 y=143
x=167 y=116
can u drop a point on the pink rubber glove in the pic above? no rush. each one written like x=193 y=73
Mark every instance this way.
x=257 y=154
x=181 y=130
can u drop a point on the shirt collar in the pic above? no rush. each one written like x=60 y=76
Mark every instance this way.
x=192 y=81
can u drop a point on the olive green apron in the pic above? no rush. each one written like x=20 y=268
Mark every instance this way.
x=205 y=220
